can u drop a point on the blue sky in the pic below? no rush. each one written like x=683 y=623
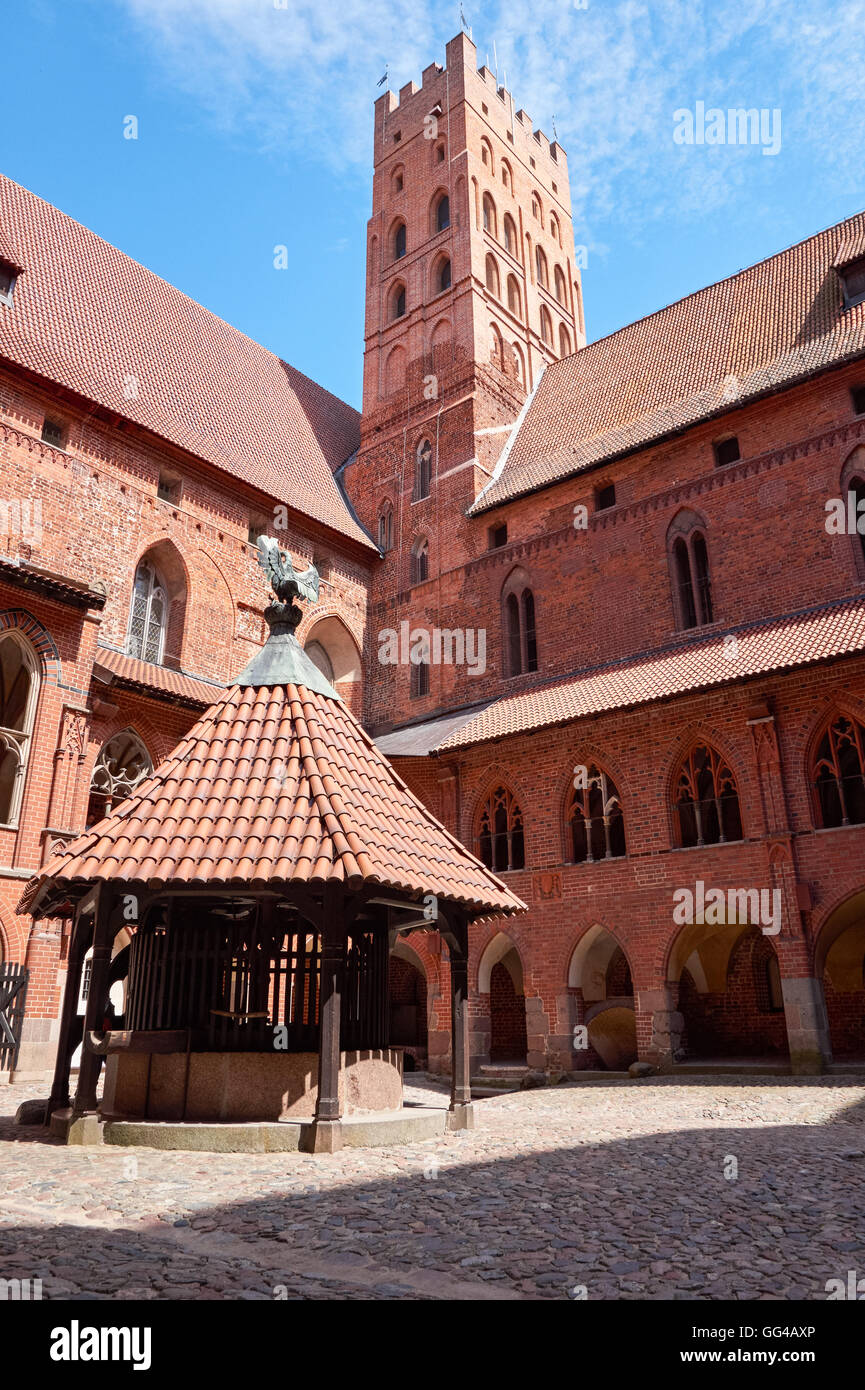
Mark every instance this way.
x=254 y=130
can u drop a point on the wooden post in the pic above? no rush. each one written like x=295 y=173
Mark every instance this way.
x=461 y=1115
x=103 y=939
x=326 y=1134
x=78 y=943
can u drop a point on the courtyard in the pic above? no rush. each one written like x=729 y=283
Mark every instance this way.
x=665 y=1188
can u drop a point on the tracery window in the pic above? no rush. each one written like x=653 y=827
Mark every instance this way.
x=520 y=644
x=500 y=840
x=122 y=764
x=148 y=615
x=689 y=563
x=706 y=800
x=423 y=470
x=596 y=827
x=385 y=527
x=420 y=561
x=838 y=773
x=19 y=687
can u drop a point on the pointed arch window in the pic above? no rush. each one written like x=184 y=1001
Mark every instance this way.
x=564 y=341
x=500 y=836
x=420 y=561
x=385 y=527
x=510 y=235
x=706 y=800
x=492 y=277
x=442 y=213
x=19 y=689
x=555 y=231
x=520 y=635
x=546 y=328
x=561 y=290
x=689 y=564
x=397 y=301
x=541 y=267
x=423 y=470
x=441 y=275
x=838 y=773
x=514 y=301
x=148 y=615
x=123 y=763
x=419 y=679
x=399 y=241
x=596 y=828
x=853 y=495
x=489 y=208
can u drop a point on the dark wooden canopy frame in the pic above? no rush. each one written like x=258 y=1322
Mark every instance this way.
x=332 y=911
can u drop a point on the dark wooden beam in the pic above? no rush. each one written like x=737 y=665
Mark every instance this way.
x=78 y=944
x=104 y=931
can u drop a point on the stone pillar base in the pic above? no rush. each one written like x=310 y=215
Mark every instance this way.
x=807 y=1026
x=461 y=1117
x=324 y=1137
x=80 y=1129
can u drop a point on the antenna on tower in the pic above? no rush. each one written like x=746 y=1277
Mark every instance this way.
x=555 y=132
x=496 y=62
x=463 y=25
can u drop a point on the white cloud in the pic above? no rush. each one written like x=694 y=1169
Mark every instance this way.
x=304 y=78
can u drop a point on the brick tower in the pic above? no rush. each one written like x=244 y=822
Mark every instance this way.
x=471 y=289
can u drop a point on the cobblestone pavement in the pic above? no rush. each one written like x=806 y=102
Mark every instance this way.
x=618 y=1189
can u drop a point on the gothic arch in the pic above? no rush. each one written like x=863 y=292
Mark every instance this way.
x=442 y=333
x=720 y=761
x=394 y=371
x=588 y=758
x=493 y=954
x=342 y=649
x=40 y=639
x=853 y=480
x=165 y=557
x=840 y=737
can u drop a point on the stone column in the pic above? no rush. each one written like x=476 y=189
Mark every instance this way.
x=807 y=1025
x=659 y=1026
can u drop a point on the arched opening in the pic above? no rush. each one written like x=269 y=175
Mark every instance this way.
x=689 y=569
x=420 y=561
x=520 y=645
x=501 y=989
x=838 y=773
x=330 y=645
x=499 y=835
x=561 y=290
x=514 y=298
x=385 y=526
x=729 y=987
x=511 y=243
x=398 y=240
x=541 y=267
x=394 y=374
x=492 y=276
x=441 y=276
x=441 y=212
x=599 y=981
x=840 y=963
x=407 y=991
x=122 y=764
x=19 y=692
x=595 y=827
x=489 y=216
x=396 y=301
x=546 y=328
x=423 y=470
x=564 y=341
x=706 y=800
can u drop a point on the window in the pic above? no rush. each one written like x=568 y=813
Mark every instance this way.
x=420 y=561
x=399 y=241
x=510 y=235
x=419 y=679
x=19 y=688
x=689 y=562
x=514 y=302
x=492 y=276
x=53 y=432
x=398 y=179
x=8 y=276
x=497 y=536
x=706 y=800
x=442 y=213
x=838 y=774
x=521 y=647
x=442 y=276
x=564 y=341
x=853 y=281
x=536 y=207
x=726 y=451
x=507 y=177
x=122 y=764
x=487 y=155
x=555 y=233
x=423 y=470
x=541 y=267
x=561 y=290
x=500 y=838
x=440 y=153
x=858 y=397
x=397 y=302
x=489 y=215
x=148 y=616
x=169 y=487
x=546 y=328
x=385 y=527
x=605 y=497
x=596 y=829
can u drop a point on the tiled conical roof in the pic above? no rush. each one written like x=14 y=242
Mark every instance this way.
x=275 y=785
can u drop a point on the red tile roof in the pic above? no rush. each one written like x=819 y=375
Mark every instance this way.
x=128 y=671
x=765 y=328
x=87 y=317
x=62 y=587
x=800 y=640
x=274 y=786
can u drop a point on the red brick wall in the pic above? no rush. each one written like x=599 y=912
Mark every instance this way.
x=507 y=1018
